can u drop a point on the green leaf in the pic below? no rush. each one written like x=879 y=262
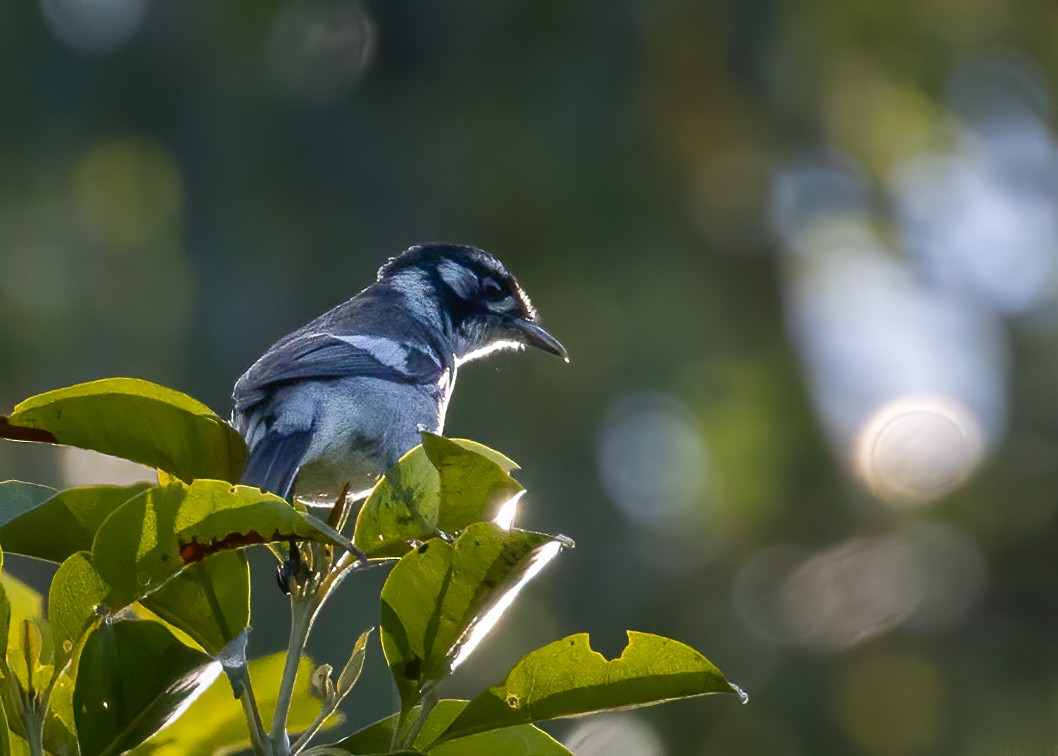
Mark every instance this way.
x=473 y=485
x=5 y=621
x=164 y=530
x=5 y=735
x=19 y=745
x=18 y=497
x=215 y=721
x=64 y=523
x=375 y=738
x=522 y=740
x=24 y=603
x=444 y=485
x=352 y=669
x=59 y=728
x=11 y=743
x=132 y=678
x=440 y=600
x=76 y=601
x=210 y=600
x=24 y=606
x=567 y=678
x=136 y=420
x=34 y=663
x=507 y=464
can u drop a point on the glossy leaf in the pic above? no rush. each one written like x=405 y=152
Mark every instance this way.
x=136 y=420
x=29 y=645
x=215 y=720
x=473 y=484
x=210 y=600
x=152 y=537
x=505 y=463
x=443 y=485
x=523 y=740
x=25 y=601
x=132 y=678
x=76 y=600
x=567 y=678
x=59 y=728
x=440 y=599
x=64 y=523
x=32 y=663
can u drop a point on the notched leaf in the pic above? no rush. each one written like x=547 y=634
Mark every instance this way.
x=568 y=678
x=193 y=551
x=151 y=538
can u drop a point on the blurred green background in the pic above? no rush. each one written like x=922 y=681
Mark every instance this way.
x=803 y=255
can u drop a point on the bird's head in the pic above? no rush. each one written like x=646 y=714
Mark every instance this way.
x=483 y=303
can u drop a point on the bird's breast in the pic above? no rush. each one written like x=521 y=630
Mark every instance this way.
x=362 y=426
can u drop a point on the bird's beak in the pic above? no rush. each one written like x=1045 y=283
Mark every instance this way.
x=536 y=336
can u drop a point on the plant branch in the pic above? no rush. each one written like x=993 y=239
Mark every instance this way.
x=34 y=731
x=310 y=733
x=302 y=612
x=258 y=737
x=411 y=719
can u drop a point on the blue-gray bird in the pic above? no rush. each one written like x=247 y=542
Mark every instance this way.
x=336 y=403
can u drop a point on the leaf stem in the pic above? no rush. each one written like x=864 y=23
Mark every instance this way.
x=308 y=734
x=400 y=730
x=27 y=705
x=258 y=737
x=34 y=731
x=346 y=680
x=411 y=719
x=302 y=612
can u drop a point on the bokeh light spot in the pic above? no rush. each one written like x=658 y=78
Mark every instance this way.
x=129 y=190
x=653 y=462
x=893 y=702
x=95 y=27
x=614 y=735
x=850 y=593
x=926 y=577
x=917 y=449
x=757 y=588
x=319 y=49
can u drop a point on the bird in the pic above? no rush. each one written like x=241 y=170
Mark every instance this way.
x=332 y=406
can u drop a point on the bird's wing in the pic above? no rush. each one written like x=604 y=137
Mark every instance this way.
x=326 y=355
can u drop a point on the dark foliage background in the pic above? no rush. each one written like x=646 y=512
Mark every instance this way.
x=803 y=255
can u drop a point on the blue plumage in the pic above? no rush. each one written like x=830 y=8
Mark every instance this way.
x=338 y=401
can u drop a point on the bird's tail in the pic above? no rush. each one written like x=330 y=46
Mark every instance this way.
x=274 y=461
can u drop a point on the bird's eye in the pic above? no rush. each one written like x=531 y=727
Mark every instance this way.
x=492 y=290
